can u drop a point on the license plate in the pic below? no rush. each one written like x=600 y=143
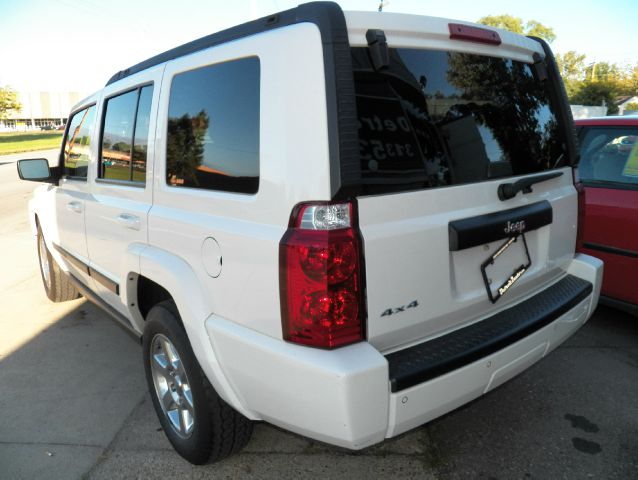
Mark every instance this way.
x=512 y=256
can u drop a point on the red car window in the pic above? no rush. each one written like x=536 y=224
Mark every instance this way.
x=609 y=155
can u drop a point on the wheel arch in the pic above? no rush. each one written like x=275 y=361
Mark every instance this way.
x=162 y=271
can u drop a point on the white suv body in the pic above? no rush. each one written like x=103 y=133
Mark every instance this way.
x=218 y=254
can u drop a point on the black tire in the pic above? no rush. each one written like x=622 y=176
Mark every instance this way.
x=217 y=430
x=57 y=283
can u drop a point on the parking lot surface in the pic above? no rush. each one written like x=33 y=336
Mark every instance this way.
x=74 y=401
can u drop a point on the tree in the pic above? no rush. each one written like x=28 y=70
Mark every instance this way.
x=597 y=93
x=516 y=25
x=571 y=65
x=185 y=147
x=8 y=102
x=603 y=72
x=506 y=22
x=537 y=29
x=512 y=114
x=629 y=81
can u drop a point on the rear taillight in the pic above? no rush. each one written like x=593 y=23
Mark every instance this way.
x=580 y=228
x=320 y=276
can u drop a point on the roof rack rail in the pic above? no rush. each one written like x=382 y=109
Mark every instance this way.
x=323 y=14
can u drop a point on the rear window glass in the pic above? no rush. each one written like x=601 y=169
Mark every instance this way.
x=436 y=118
x=609 y=155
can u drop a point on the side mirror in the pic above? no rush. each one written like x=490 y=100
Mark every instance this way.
x=36 y=170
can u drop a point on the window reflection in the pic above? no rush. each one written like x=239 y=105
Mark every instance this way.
x=436 y=118
x=77 y=147
x=140 y=143
x=125 y=136
x=213 y=128
x=609 y=155
x=116 y=139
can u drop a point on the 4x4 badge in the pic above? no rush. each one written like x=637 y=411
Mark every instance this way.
x=402 y=308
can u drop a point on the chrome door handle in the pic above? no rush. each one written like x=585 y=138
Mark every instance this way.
x=129 y=221
x=74 y=207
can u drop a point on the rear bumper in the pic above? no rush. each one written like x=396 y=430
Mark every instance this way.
x=344 y=396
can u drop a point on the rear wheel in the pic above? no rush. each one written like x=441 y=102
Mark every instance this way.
x=56 y=281
x=198 y=423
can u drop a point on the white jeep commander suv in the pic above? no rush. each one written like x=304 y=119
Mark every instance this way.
x=344 y=224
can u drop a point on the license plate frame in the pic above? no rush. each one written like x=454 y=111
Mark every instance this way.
x=516 y=274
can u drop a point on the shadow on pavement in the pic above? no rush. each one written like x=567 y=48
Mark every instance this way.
x=75 y=405
x=65 y=394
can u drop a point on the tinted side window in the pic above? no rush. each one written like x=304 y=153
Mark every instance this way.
x=213 y=128
x=609 y=155
x=77 y=144
x=140 y=142
x=125 y=136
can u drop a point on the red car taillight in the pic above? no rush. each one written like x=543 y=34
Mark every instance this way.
x=580 y=229
x=320 y=276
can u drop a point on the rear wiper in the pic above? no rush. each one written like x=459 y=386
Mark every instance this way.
x=509 y=190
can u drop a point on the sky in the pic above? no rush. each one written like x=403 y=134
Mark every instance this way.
x=77 y=45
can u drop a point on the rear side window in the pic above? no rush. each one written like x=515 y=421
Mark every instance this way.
x=125 y=136
x=436 y=118
x=77 y=145
x=609 y=156
x=213 y=128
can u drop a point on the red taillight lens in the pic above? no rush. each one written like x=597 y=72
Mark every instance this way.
x=580 y=228
x=322 y=302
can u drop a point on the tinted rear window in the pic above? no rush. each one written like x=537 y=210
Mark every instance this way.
x=435 y=118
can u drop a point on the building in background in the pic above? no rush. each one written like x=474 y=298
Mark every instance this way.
x=626 y=105
x=41 y=110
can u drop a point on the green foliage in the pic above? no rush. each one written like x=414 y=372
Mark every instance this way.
x=535 y=28
x=632 y=106
x=593 y=84
x=597 y=93
x=603 y=72
x=8 y=102
x=571 y=65
x=629 y=81
x=506 y=22
x=516 y=25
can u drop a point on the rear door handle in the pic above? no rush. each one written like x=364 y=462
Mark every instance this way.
x=74 y=207
x=129 y=221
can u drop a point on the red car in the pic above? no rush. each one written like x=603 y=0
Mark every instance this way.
x=608 y=170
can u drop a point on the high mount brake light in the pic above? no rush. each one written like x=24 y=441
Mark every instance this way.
x=320 y=265
x=469 y=33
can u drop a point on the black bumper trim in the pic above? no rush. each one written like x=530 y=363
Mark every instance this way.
x=442 y=355
x=90 y=271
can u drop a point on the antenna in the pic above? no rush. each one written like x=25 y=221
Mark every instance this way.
x=382 y=4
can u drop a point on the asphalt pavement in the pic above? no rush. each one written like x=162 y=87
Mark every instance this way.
x=74 y=402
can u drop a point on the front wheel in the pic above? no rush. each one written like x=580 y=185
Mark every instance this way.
x=56 y=281
x=198 y=423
